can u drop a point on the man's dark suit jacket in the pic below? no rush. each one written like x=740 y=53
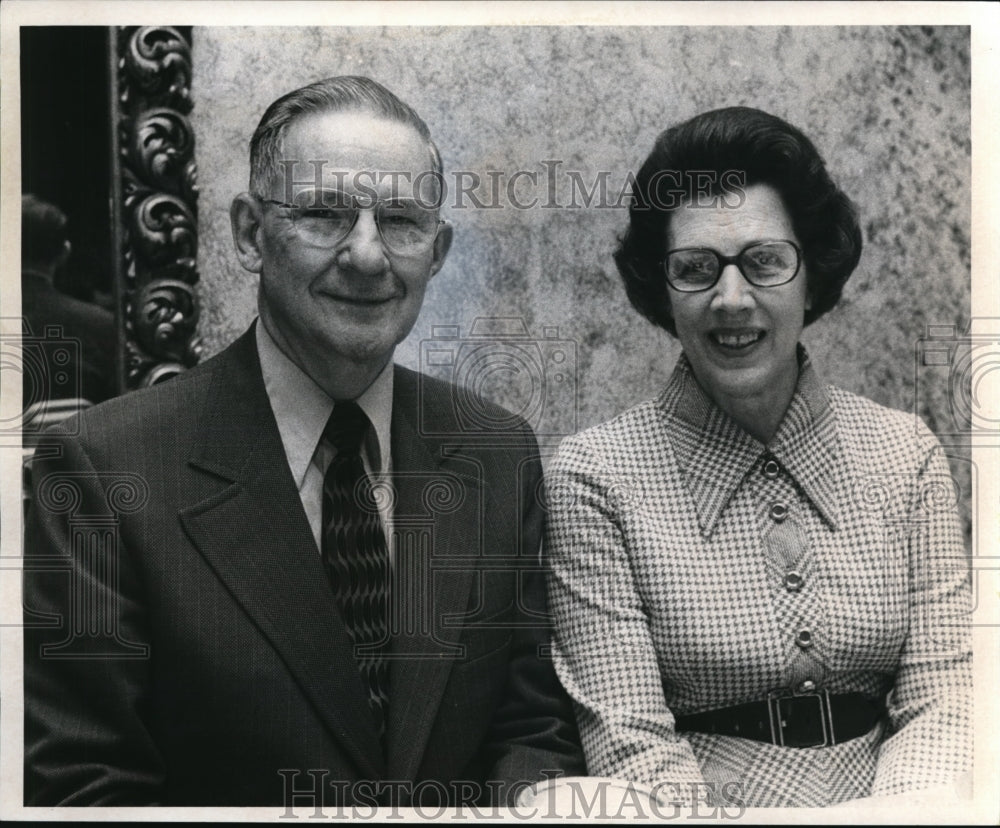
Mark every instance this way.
x=182 y=643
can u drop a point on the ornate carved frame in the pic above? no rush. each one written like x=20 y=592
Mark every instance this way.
x=154 y=203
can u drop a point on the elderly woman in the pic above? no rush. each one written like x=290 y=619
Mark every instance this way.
x=760 y=592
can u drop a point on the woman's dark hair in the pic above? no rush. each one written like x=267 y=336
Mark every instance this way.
x=715 y=155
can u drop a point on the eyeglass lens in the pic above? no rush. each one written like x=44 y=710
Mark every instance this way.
x=324 y=219
x=767 y=264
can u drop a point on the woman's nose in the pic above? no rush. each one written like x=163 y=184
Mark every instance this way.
x=732 y=292
x=363 y=249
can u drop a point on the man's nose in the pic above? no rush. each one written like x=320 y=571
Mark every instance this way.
x=363 y=249
x=732 y=292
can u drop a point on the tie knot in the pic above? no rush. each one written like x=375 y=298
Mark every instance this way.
x=346 y=428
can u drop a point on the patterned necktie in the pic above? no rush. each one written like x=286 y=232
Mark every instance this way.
x=355 y=554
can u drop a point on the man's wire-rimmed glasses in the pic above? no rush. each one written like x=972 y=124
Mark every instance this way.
x=324 y=219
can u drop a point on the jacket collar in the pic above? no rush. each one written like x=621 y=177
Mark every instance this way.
x=254 y=534
x=715 y=455
x=269 y=562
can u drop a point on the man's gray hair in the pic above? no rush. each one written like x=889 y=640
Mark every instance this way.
x=346 y=93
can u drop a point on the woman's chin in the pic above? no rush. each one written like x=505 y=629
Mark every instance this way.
x=735 y=379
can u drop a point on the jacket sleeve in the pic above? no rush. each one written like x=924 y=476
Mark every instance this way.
x=603 y=648
x=533 y=735
x=86 y=642
x=929 y=739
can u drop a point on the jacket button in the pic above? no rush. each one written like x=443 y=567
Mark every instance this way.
x=794 y=581
x=808 y=686
x=804 y=639
x=779 y=511
x=771 y=469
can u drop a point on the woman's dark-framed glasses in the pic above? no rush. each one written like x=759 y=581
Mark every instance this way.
x=326 y=219
x=763 y=264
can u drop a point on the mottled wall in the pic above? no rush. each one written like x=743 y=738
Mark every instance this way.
x=888 y=107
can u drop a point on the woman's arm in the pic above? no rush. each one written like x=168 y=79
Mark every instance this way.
x=603 y=649
x=929 y=740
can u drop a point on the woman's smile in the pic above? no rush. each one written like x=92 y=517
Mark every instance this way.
x=738 y=340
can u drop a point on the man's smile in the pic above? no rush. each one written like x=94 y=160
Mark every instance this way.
x=363 y=301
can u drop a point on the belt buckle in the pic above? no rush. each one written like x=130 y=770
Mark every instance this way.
x=788 y=709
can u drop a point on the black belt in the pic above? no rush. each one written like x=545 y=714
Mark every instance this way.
x=813 y=719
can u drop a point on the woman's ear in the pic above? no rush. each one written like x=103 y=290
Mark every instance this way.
x=245 y=216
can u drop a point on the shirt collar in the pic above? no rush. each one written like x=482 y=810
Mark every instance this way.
x=714 y=454
x=301 y=408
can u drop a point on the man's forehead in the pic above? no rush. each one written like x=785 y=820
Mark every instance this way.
x=356 y=141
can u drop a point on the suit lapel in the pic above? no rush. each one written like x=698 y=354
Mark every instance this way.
x=255 y=535
x=430 y=582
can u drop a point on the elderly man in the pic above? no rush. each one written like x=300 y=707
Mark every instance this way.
x=292 y=594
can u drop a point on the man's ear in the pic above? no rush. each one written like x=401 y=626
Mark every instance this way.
x=245 y=216
x=442 y=244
